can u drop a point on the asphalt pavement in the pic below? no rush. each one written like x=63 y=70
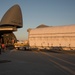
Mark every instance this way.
x=15 y=62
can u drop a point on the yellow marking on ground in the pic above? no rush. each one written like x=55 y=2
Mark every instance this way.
x=62 y=66
x=59 y=59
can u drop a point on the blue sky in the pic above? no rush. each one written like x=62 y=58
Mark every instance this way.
x=36 y=12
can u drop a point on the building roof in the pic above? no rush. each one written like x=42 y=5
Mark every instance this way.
x=13 y=17
x=54 y=30
x=42 y=26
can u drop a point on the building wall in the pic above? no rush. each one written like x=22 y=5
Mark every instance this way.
x=60 y=36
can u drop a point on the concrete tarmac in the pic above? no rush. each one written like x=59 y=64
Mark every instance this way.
x=36 y=63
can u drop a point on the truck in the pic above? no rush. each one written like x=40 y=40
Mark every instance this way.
x=18 y=45
x=21 y=45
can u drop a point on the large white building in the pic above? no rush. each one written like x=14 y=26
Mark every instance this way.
x=54 y=36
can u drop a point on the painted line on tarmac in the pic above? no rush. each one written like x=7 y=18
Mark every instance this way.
x=66 y=61
x=62 y=66
x=59 y=59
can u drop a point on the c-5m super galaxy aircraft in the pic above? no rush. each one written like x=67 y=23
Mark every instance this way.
x=11 y=20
